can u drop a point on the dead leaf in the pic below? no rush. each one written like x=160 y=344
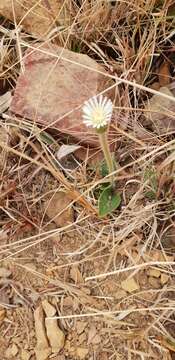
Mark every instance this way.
x=52 y=91
x=55 y=209
x=91 y=334
x=82 y=338
x=55 y=335
x=36 y=17
x=11 y=351
x=65 y=150
x=76 y=275
x=167 y=162
x=164 y=74
x=80 y=326
x=96 y=340
x=160 y=111
x=5 y=101
x=129 y=285
x=42 y=349
x=48 y=308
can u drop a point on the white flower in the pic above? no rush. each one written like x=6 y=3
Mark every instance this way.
x=97 y=111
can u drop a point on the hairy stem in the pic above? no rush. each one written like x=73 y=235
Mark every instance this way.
x=107 y=154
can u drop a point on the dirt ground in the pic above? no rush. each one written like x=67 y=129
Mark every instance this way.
x=74 y=285
x=120 y=316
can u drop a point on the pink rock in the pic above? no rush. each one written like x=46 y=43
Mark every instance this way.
x=53 y=88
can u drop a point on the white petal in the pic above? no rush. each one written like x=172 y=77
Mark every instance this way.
x=87 y=118
x=105 y=100
x=100 y=100
x=92 y=103
x=95 y=99
x=87 y=111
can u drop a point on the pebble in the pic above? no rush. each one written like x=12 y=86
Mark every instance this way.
x=154 y=272
x=129 y=285
x=164 y=278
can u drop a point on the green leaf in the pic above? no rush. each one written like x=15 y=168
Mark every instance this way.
x=76 y=48
x=104 y=168
x=150 y=195
x=46 y=138
x=109 y=200
x=151 y=176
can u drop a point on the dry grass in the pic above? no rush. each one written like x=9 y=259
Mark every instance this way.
x=130 y=40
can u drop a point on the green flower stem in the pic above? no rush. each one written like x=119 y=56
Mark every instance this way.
x=106 y=150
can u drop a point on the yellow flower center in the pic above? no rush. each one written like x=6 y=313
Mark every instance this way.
x=98 y=116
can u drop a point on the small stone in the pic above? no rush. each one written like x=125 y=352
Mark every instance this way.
x=58 y=104
x=154 y=272
x=55 y=335
x=129 y=285
x=25 y=355
x=11 y=351
x=82 y=353
x=42 y=349
x=164 y=278
x=5 y=273
x=154 y=282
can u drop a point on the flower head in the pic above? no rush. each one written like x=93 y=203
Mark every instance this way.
x=97 y=112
